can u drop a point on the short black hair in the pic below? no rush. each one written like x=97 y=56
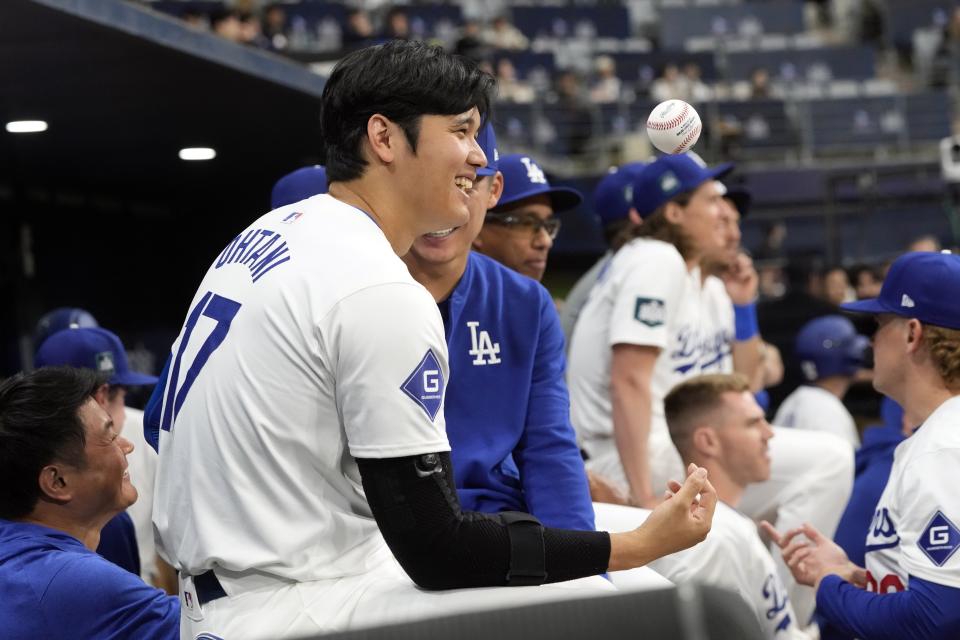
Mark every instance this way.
x=39 y=424
x=402 y=80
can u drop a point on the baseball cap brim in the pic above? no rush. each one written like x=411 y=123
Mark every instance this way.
x=868 y=306
x=134 y=379
x=561 y=198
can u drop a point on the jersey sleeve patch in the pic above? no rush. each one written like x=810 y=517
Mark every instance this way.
x=650 y=311
x=426 y=384
x=940 y=539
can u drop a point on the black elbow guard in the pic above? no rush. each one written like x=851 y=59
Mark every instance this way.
x=441 y=547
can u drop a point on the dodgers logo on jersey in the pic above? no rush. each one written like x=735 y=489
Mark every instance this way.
x=650 y=311
x=483 y=349
x=940 y=539
x=882 y=533
x=426 y=384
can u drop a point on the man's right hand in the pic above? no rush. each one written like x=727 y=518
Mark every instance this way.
x=678 y=523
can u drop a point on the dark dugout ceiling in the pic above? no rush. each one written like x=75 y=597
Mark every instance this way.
x=124 y=88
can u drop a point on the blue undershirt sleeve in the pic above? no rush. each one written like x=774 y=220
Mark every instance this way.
x=926 y=611
x=551 y=468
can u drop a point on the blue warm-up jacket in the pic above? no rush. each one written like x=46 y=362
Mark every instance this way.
x=507 y=406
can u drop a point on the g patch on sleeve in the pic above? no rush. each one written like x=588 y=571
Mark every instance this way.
x=426 y=384
x=650 y=311
x=940 y=539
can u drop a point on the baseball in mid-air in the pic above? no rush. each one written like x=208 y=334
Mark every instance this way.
x=674 y=126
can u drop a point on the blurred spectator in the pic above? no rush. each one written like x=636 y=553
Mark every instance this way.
x=509 y=87
x=397 y=25
x=773 y=240
x=836 y=286
x=227 y=24
x=274 y=26
x=670 y=86
x=251 y=33
x=946 y=60
x=195 y=18
x=359 y=30
x=470 y=43
x=866 y=281
x=924 y=243
x=696 y=87
x=760 y=84
x=503 y=35
x=572 y=115
x=606 y=87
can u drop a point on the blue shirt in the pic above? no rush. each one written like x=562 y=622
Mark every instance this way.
x=507 y=406
x=51 y=586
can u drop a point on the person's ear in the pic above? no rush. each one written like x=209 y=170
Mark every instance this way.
x=383 y=138
x=634 y=217
x=102 y=395
x=496 y=190
x=54 y=481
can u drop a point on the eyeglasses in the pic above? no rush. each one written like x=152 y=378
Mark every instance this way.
x=529 y=221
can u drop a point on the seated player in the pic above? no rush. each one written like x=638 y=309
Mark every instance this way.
x=64 y=472
x=715 y=422
x=830 y=352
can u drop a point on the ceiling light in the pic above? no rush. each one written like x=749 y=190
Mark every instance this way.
x=26 y=126
x=197 y=153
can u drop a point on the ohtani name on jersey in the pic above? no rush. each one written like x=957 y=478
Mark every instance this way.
x=259 y=250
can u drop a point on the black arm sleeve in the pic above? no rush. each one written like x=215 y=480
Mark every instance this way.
x=441 y=547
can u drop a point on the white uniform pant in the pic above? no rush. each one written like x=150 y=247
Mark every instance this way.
x=385 y=595
x=811 y=477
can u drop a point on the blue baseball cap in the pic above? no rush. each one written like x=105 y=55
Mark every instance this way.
x=920 y=285
x=299 y=185
x=62 y=318
x=613 y=196
x=668 y=176
x=487 y=140
x=91 y=348
x=523 y=178
x=830 y=346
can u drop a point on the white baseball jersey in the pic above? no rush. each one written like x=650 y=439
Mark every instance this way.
x=143 y=468
x=307 y=344
x=579 y=294
x=718 y=326
x=916 y=526
x=734 y=557
x=645 y=297
x=816 y=409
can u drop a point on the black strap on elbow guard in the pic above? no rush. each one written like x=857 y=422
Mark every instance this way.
x=528 y=563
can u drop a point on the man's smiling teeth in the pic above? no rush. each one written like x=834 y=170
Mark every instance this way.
x=443 y=233
x=464 y=184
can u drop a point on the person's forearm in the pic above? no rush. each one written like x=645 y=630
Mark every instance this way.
x=748 y=361
x=632 y=415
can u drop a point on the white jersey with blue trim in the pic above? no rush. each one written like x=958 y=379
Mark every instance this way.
x=734 y=557
x=307 y=344
x=916 y=526
x=718 y=326
x=646 y=297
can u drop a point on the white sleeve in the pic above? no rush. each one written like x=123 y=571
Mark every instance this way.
x=929 y=525
x=647 y=299
x=387 y=348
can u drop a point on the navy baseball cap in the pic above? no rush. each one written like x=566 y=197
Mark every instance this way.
x=613 y=197
x=91 y=348
x=299 y=185
x=523 y=178
x=739 y=196
x=62 y=318
x=920 y=285
x=487 y=140
x=830 y=346
x=668 y=176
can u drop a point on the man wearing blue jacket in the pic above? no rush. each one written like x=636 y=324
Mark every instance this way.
x=507 y=406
